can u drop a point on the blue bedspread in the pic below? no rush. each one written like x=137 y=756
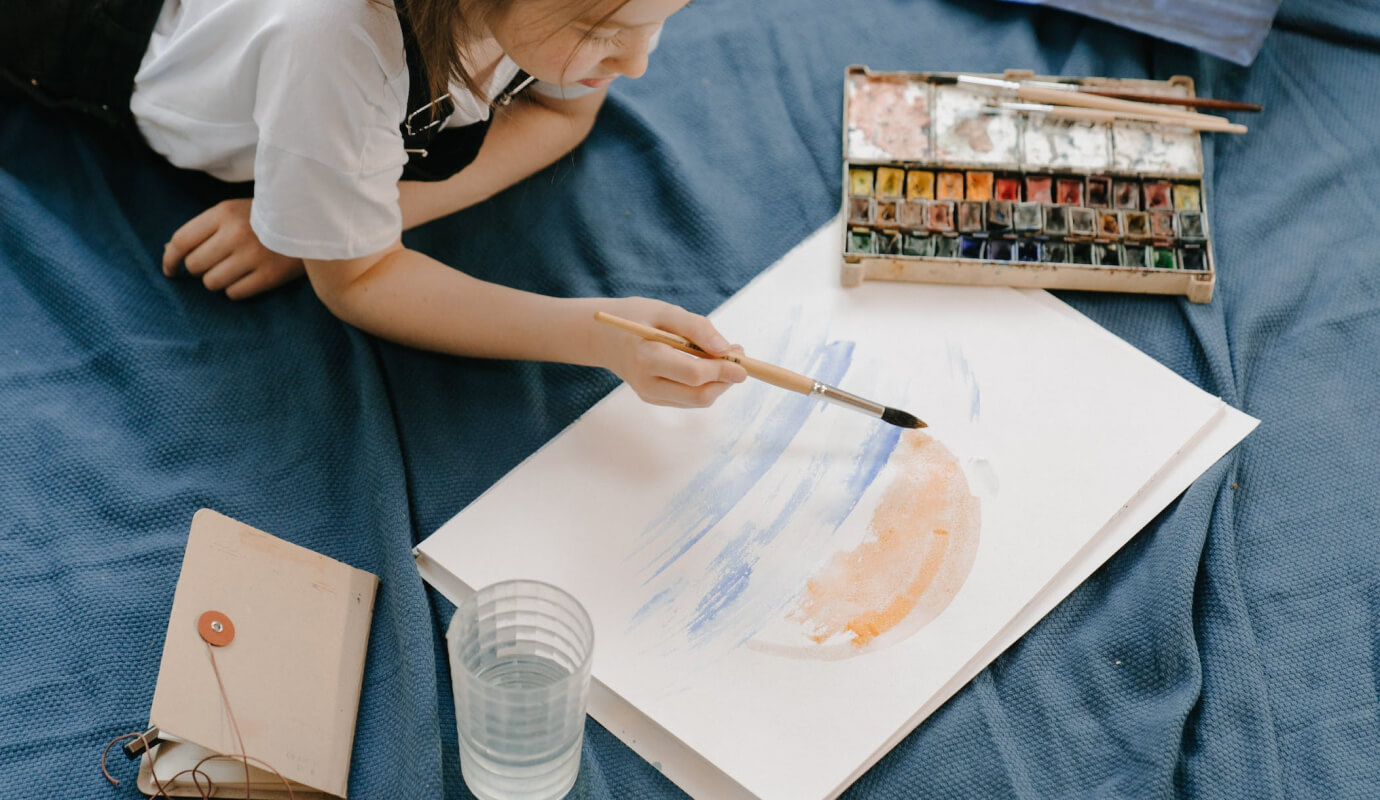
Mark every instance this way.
x=1231 y=650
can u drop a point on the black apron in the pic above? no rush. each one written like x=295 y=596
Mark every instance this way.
x=81 y=56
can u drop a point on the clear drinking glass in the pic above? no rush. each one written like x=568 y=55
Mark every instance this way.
x=520 y=654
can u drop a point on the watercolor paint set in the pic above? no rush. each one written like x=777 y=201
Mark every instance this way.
x=942 y=184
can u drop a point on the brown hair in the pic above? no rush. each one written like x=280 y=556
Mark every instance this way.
x=442 y=26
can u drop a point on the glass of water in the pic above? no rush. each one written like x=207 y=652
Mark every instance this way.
x=520 y=654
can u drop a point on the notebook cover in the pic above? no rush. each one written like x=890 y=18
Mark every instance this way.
x=294 y=669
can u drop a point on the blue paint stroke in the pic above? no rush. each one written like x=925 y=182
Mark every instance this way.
x=736 y=561
x=958 y=362
x=659 y=600
x=734 y=600
x=728 y=477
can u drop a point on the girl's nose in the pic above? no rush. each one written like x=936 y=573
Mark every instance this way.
x=631 y=61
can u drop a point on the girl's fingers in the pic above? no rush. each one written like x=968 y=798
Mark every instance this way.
x=663 y=392
x=666 y=362
x=226 y=272
x=188 y=238
x=260 y=280
x=694 y=327
x=215 y=250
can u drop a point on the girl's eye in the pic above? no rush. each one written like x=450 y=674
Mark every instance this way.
x=605 y=36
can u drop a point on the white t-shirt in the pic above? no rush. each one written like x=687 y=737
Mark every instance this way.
x=304 y=97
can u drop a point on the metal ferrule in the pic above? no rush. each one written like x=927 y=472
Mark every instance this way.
x=842 y=398
x=987 y=84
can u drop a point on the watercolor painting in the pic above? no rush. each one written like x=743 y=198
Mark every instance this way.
x=729 y=561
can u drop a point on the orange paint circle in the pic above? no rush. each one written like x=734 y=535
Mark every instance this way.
x=216 y=628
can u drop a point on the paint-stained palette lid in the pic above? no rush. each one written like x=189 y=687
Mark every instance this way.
x=922 y=118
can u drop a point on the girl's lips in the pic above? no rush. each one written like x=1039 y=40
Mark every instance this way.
x=596 y=83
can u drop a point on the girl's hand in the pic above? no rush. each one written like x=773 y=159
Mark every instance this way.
x=660 y=374
x=219 y=245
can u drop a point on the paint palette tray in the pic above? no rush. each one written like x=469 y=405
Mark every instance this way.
x=943 y=185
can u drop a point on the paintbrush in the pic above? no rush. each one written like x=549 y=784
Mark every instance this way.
x=1102 y=115
x=1032 y=93
x=770 y=373
x=1171 y=100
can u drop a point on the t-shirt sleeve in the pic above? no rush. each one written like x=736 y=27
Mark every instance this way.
x=330 y=93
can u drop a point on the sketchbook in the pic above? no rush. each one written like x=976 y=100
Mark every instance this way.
x=820 y=578
x=295 y=627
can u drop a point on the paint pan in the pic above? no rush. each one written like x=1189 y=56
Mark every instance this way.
x=1162 y=224
x=1126 y=195
x=1193 y=258
x=920 y=184
x=1069 y=191
x=1027 y=250
x=1107 y=255
x=860 y=240
x=970 y=247
x=999 y=216
x=941 y=215
x=1027 y=217
x=860 y=182
x=1039 y=189
x=859 y=211
x=1054 y=252
x=1191 y=227
x=1082 y=222
x=950 y=186
x=1157 y=196
x=1108 y=224
x=917 y=244
x=890 y=181
x=889 y=243
x=1164 y=258
x=1081 y=253
x=980 y=186
x=1099 y=192
x=914 y=214
x=1136 y=255
x=1137 y=224
x=1009 y=189
x=970 y=217
x=1187 y=197
x=1056 y=220
x=945 y=247
x=887 y=215
x=1000 y=250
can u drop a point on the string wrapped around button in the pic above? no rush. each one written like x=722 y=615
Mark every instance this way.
x=216 y=630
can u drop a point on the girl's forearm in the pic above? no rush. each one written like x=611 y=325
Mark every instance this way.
x=414 y=300
x=523 y=139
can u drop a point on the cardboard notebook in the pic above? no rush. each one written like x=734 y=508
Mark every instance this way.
x=292 y=670
x=782 y=589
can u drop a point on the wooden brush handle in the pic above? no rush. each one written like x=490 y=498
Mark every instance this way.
x=761 y=370
x=1208 y=123
x=1060 y=97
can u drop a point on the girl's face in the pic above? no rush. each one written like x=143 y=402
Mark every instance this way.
x=542 y=38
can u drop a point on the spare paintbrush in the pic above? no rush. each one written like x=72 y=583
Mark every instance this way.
x=770 y=373
x=1211 y=124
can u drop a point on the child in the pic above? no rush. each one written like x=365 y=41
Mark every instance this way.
x=355 y=120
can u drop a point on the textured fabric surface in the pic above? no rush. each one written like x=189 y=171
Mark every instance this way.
x=1229 y=651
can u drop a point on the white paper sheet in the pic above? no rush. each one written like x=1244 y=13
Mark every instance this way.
x=782 y=589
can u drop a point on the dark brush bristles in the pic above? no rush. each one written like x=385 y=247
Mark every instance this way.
x=942 y=80
x=901 y=419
